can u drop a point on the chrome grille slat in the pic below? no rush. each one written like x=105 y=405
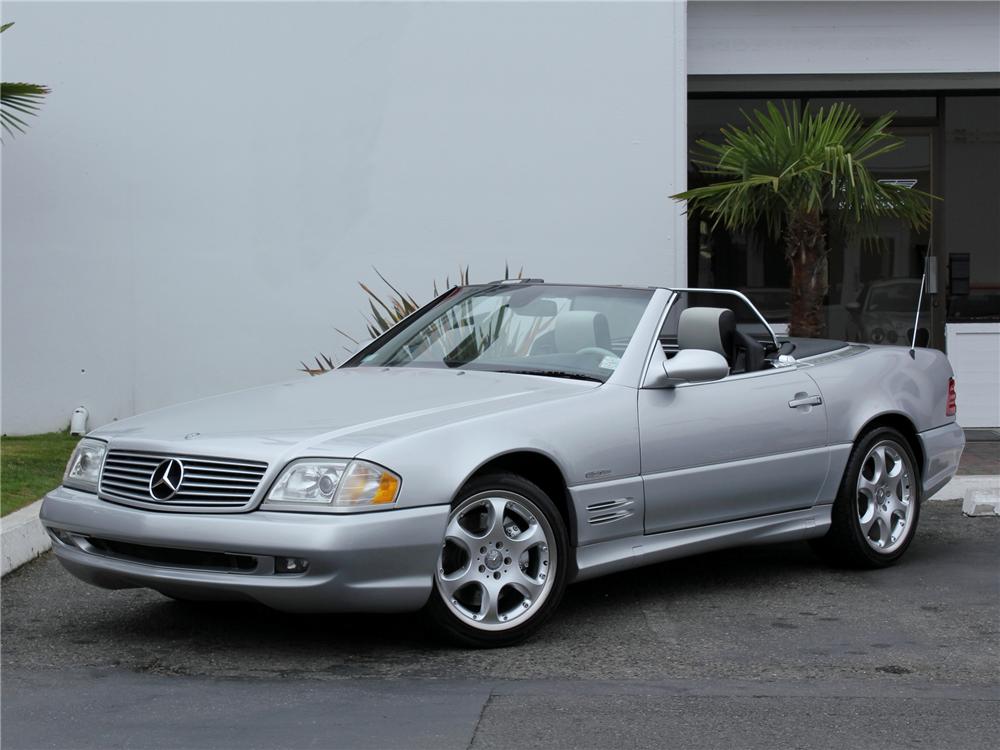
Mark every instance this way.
x=202 y=477
x=218 y=486
x=228 y=472
x=191 y=504
x=126 y=485
x=151 y=464
x=224 y=462
x=129 y=473
x=208 y=482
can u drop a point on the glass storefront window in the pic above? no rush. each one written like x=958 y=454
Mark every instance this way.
x=871 y=107
x=951 y=148
x=970 y=262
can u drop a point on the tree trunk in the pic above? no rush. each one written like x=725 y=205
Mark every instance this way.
x=805 y=250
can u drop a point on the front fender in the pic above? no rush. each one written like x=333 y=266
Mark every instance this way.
x=592 y=436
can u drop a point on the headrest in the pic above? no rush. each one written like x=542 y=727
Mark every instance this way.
x=577 y=329
x=710 y=328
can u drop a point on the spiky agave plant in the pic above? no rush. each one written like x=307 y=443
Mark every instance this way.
x=18 y=100
x=386 y=310
x=798 y=173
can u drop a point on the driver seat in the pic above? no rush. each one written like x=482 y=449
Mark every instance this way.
x=574 y=330
x=714 y=328
x=750 y=355
x=711 y=328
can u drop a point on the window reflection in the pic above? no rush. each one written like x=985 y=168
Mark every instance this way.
x=872 y=290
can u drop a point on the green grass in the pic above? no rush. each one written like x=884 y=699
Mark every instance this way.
x=30 y=466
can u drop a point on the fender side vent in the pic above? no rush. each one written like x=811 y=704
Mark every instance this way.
x=607 y=511
x=609 y=517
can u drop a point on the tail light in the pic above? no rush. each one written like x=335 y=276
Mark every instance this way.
x=952 y=407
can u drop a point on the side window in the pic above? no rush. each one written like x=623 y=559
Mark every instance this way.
x=747 y=320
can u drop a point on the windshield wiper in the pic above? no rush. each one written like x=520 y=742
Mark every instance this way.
x=555 y=374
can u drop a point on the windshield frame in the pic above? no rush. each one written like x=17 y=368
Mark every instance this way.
x=626 y=372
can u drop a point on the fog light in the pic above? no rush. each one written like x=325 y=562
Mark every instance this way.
x=62 y=536
x=290 y=565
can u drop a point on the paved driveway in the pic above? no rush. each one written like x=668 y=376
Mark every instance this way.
x=759 y=647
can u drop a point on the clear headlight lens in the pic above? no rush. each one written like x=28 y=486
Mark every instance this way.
x=315 y=484
x=84 y=467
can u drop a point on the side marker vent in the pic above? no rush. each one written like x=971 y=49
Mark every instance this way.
x=608 y=511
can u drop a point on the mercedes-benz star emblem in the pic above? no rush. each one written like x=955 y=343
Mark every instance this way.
x=166 y=479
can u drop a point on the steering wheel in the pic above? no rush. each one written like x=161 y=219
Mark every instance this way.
x=597 y=351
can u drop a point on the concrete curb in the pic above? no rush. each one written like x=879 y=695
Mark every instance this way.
x=979 y=493
x=22 y=537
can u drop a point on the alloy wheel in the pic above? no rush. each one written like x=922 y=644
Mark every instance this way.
x=886 y=499
x=497 y=564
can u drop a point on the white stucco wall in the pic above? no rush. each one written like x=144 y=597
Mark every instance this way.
x=818 y=37
x=192 y=209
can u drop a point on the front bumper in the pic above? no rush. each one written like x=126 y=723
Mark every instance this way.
x=942 y=448
x=366 y=562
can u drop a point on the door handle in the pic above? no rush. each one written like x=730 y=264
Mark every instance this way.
x=805 y=401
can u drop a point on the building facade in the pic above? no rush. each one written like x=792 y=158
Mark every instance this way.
x=934 y=64
x=208 y=182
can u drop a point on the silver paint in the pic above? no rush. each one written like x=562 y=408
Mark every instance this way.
x=678 y=471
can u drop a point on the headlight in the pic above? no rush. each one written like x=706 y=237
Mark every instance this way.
x=84 y=467
x=332 y=485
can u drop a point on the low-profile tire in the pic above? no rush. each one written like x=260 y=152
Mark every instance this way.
x=875 y=515
x=503 y=563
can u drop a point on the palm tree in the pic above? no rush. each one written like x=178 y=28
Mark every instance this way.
x=18 y=100
x=797 y=174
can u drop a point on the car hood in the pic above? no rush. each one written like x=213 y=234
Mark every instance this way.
x=340 y=413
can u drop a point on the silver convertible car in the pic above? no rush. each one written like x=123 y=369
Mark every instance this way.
x=506 y=440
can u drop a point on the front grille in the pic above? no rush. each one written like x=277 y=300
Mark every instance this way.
x=206 y=483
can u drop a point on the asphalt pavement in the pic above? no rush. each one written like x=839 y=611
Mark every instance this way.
x=756 y=647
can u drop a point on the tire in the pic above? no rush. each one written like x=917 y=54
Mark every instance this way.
x=875 y=515
x=503 y=564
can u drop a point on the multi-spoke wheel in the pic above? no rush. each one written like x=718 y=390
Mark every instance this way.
x=886 y=496
x=503 y=562
x=875 y=514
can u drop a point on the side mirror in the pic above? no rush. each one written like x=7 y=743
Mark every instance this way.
x=853 y=307
x=690 y=366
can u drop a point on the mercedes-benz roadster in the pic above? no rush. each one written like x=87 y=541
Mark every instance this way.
x=506 y=440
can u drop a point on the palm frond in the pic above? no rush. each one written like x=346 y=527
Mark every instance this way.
x=322 y=365
x=785 y=161
x=20 y=98
x=386 y=310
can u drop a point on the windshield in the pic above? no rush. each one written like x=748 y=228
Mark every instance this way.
x=532 y=329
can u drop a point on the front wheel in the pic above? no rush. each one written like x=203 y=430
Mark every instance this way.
x=503 y=564
x=876 y=511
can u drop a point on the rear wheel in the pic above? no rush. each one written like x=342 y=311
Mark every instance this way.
x=876 y=511
x=502 y=568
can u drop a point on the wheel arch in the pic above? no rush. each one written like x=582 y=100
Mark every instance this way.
x=536 y=467
x=902 y=424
